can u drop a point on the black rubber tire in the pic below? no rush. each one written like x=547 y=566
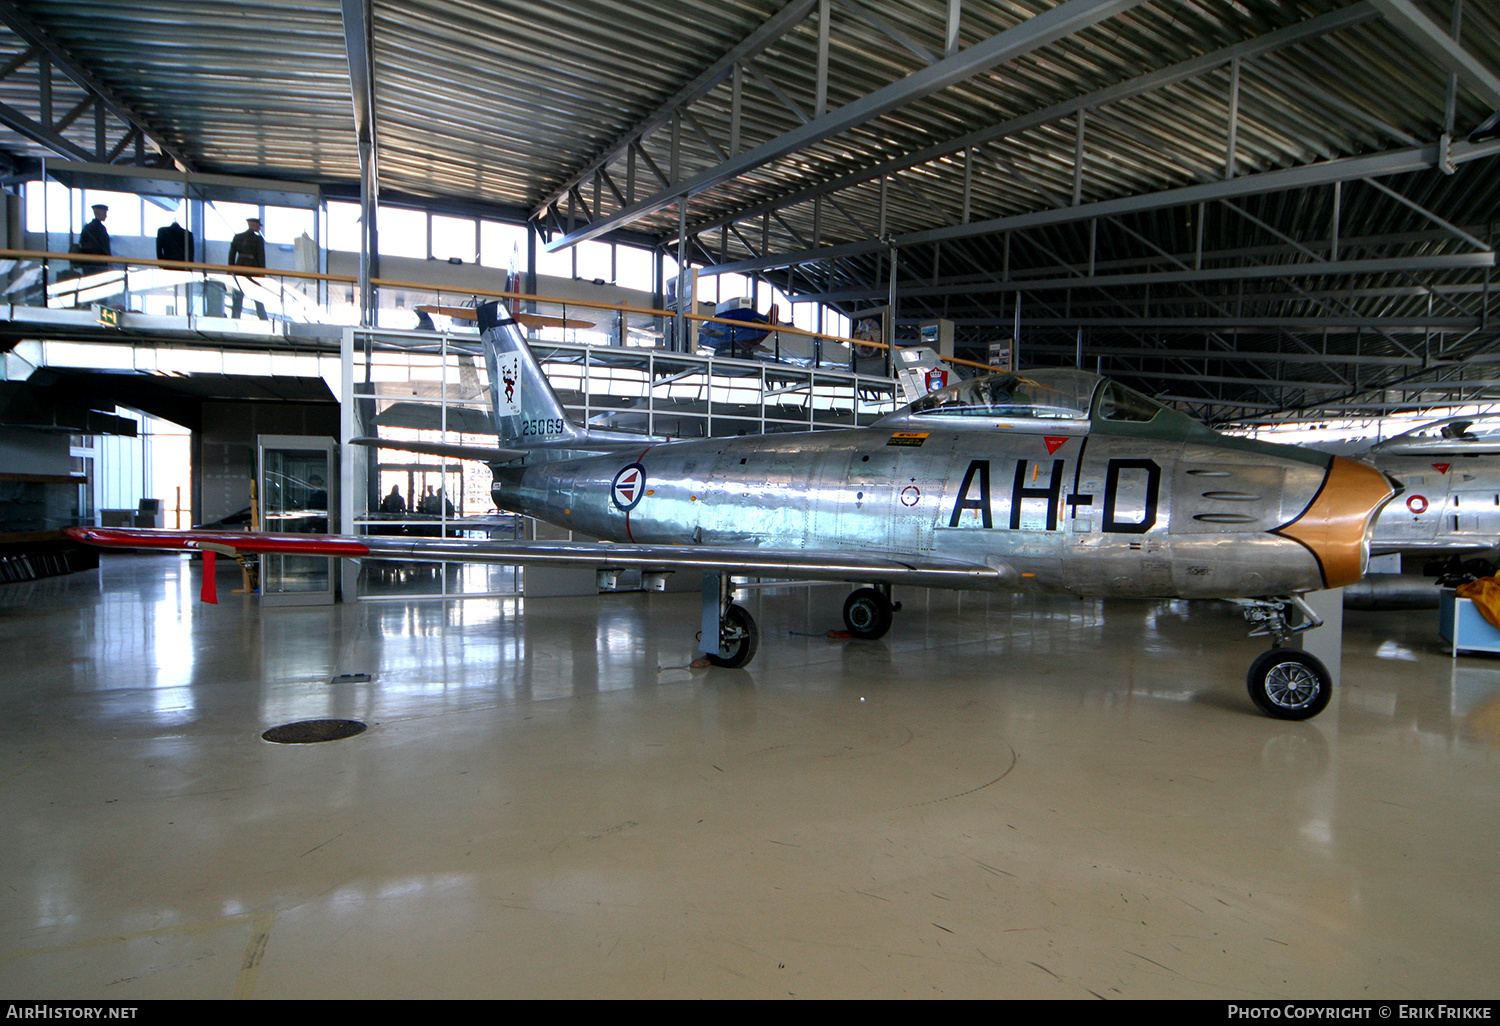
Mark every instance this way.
x=743 y=649
x=868 y=614
x=1289 y=684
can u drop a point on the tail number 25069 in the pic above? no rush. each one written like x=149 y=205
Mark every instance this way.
x=542 y=426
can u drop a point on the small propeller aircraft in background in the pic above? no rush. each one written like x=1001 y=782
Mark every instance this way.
x=1049 y=481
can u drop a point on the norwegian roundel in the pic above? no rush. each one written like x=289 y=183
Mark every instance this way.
x=628 y=487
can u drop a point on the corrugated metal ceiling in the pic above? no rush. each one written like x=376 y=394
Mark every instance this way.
x=507 y=103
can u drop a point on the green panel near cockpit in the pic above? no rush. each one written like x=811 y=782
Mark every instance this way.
x=1171 y=426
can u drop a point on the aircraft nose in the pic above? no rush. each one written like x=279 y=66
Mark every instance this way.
x=1336 y=524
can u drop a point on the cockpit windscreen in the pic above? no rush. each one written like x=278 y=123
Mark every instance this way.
x=1037 y=395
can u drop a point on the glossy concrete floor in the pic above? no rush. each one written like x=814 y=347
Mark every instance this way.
x=1006 y=797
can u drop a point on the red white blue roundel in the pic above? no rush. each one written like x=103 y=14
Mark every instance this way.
x=628 y=487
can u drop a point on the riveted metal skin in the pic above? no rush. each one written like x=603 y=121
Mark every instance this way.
x=1058 y=481
x=1052 y=481
x=1449 y=471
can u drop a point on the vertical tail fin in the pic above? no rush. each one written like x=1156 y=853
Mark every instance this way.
x=527 y=410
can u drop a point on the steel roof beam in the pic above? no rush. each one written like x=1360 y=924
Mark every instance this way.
x=772 y=29
x=1059 y=22
x=357 y=27
x=1421 y=158
x=1441 y=47
x=1271 y=41
x=885 y=28
x=24 y=126
x=1290 y=324
x=1111 y=352
x=35 y=36
x=1148 y=261
x=1454 y=261
x=358 y=35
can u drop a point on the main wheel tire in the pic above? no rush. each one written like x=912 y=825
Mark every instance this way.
x=868 y=614
x=1289 y=684
x=747 y=640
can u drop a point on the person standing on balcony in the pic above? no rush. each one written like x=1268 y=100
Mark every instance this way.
x=248 y=249
x=95 y=239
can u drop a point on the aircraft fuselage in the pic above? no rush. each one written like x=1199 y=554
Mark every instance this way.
x=1450 y=503
x=1096 y=510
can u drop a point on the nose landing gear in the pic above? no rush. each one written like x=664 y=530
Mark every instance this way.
x=1286 y=683
x=1289 y=684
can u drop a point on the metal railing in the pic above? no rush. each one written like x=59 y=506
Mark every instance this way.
x=424 y=386
x=209 y=297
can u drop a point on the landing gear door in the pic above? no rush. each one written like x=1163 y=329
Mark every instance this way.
x=295 y=478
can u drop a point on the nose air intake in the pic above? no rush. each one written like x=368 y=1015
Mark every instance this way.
x=1335 y=526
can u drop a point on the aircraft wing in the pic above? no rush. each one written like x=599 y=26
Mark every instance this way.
x=628 y=442
x=1445 y=545
x=912 y=569
x=445 y=449
x=530 y=320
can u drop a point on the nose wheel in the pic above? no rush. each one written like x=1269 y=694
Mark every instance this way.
x=1289 y=684
x=1286 y=683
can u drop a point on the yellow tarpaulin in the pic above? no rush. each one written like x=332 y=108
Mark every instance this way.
x=1485 y=594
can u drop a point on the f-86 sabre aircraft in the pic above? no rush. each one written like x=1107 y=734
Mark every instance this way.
x=1050 y=481
x=1450 y=470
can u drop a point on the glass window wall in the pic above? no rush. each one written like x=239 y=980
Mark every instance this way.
x=454 y=238
x=343 y=226
x=134 y=220
x=223 y=221
x=596 y=262
x=403 y=233
x=502 y=245
x=285 y=225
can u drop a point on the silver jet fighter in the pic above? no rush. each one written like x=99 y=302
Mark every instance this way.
x=1450 y=470
x=1050 y=481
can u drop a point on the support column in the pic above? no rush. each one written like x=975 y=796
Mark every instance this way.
x=890 y=321
x=679 y=337
x=1326 y=642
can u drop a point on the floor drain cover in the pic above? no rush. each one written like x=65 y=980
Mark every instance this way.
x=310 y=732
x=351 y=678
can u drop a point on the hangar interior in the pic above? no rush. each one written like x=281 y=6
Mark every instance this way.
x=1265 y=215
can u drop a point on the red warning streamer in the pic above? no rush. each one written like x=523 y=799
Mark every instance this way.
x=210 y=592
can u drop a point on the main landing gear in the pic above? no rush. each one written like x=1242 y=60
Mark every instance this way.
x=730 y=636
x=1286 y=683
x=868 y=612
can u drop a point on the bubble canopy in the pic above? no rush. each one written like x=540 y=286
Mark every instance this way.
x=1058 y=394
